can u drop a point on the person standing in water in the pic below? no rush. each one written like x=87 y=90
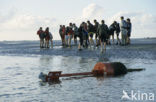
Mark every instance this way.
x=123 y=28
x=103 y=33
x=76 y=33
x=80 y=30
x=70 y=34
x=117 y=31
x=40 y=33
x=90 y=29
x=96 y=24
x=47 y=37
x=60 y=32
x=51 y=39
x=111 y=33
x=129 y=29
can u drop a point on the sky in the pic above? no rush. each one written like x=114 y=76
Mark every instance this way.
x=20 y=19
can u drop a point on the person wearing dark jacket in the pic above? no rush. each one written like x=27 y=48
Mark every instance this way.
x=47 y=37
x=90 y=29
x=103 y=31
x=111 y=32
x=129 y=29
x=41 y=35
x=80 y=31
x=61 y=33
x=96 y=24
x=117 y=31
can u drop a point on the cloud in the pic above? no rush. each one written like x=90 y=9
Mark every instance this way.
x=23 y=24
x=92 y=11
x=143 y=24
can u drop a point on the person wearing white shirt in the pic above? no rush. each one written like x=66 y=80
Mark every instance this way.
x=123 y=28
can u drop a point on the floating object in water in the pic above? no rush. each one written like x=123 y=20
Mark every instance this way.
x=100 y=69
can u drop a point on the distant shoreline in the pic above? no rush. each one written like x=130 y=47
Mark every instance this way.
x=60 y=39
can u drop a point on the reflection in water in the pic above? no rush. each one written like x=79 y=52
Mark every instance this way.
x=76 y=78
x=58 y=83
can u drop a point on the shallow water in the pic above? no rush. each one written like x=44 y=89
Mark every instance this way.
x=22 y=61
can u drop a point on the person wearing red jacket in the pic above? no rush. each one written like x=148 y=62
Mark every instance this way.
x=40 y=33
x=63 y=34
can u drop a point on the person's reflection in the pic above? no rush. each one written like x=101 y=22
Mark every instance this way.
x=103 y=58
x=45 y=63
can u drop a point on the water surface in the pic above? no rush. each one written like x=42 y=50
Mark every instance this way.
x=22 y=61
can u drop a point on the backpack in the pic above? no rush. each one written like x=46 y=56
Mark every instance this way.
x=117 y=27
x=91 y=28
x=103 y=30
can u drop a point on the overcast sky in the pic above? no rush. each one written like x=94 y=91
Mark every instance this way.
x=20 y=19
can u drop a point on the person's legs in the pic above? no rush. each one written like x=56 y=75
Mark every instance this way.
x=80 y=42
x=87 y=40
x=105 y=46
x=125 y=39
x=101 y=45
x=63 y=39
x=51 y=43
x=104 y=41
x=41 y=43
x=128 y=38
x=66 y=40
x=69 y=40
x=109 y=40
x=91 y=42
x=96 y=39
x=47 y=43
x=122 y=37
x=61 y=35
x=118 y=39
x=75 y=39
x=113 y=38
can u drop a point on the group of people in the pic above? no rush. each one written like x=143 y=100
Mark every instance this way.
x=45 y=37
x=86 y=31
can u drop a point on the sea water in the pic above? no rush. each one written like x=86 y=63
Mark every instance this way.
x=22 y=61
